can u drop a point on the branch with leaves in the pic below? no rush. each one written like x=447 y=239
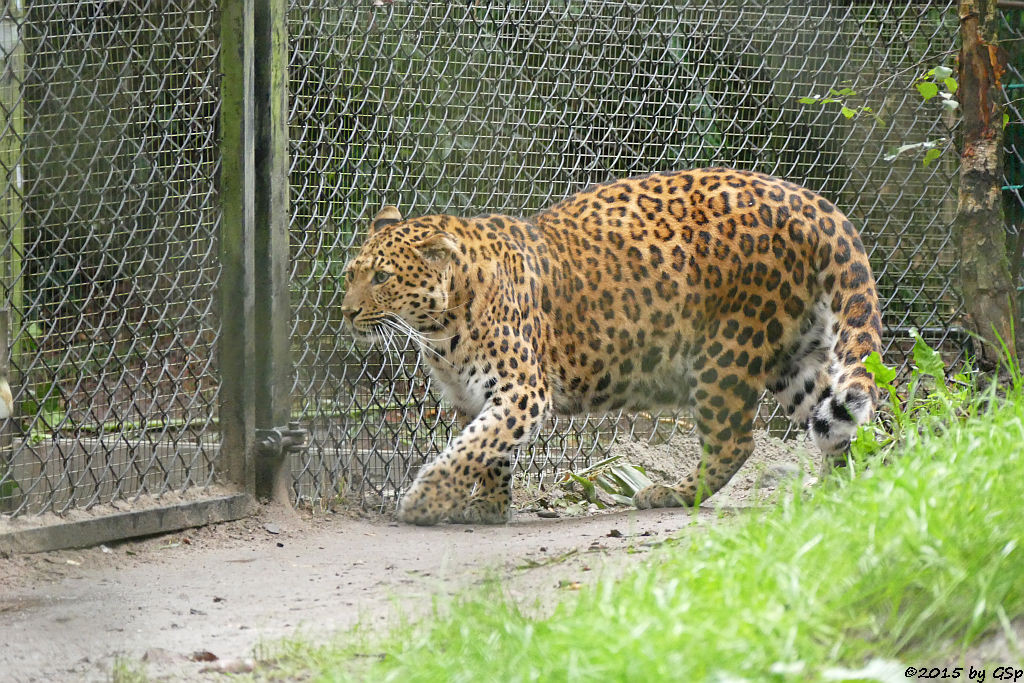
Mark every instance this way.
x=936 y=82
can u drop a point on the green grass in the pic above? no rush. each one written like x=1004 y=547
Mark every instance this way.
x=911 y=560
x=128 y=671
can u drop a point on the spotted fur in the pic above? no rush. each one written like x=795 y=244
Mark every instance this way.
x=700 y=287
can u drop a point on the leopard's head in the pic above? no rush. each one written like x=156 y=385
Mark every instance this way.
x=400 y=280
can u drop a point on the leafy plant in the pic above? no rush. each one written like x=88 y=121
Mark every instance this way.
x=928 y=393
x=841 y=97
x=932 y=150
x=619 y=480
x=939 y=82
x=936 y=82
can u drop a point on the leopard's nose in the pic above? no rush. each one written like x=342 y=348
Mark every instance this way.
x=350 y=307
x=350 y=311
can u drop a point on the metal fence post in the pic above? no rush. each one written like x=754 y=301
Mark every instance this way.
x=236 y=350
x=272 y=313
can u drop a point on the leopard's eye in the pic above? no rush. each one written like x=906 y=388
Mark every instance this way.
x=380 y=277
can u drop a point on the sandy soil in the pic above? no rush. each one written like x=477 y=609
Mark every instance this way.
x=223 y=589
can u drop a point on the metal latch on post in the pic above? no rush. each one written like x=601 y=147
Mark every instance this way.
x=276 y=441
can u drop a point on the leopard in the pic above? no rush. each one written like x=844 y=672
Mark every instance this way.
x=699 y=289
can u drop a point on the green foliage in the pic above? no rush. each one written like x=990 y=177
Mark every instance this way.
x=112 y=143
x=1011 y=39
x=514 y=121
x=619 y=480
x=928 y=393
x=936 y=82
x=842 y=97
x=128 y=671
x=932 y=150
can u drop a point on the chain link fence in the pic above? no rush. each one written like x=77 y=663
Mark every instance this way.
x=474 y=107
x=110 y=219
x=108 y=228
x=1011 y=38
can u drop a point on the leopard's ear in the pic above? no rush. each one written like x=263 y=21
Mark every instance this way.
x=386 y=216
x=438 y=249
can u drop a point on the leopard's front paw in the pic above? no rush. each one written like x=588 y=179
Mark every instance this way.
x=483 y=511
x=418 y=514
x=425 y=503
x=658 y=496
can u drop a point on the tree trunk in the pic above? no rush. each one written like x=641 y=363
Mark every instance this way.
x=986 y=285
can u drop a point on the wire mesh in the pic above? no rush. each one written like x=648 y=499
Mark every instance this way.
x=1011 y=38
x=109 y=156
x=507 y=107
x=108 y=144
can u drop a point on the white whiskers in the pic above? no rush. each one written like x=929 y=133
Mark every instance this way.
x=393 y=324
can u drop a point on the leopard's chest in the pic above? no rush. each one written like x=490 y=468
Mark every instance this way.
x=462 y=385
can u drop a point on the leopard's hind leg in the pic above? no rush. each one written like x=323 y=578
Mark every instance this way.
x=726 y=404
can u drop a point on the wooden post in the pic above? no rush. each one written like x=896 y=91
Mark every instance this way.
x=236 y=347
x=986 y=285
x=273 y=317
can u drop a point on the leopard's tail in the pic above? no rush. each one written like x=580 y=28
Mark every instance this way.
x=850 y=400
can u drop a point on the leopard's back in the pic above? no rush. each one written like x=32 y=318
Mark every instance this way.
x=667 y=287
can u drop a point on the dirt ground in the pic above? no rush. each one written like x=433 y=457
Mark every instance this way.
x=219 y=591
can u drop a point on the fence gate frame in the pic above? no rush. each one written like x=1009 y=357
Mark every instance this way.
x=253 y=353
